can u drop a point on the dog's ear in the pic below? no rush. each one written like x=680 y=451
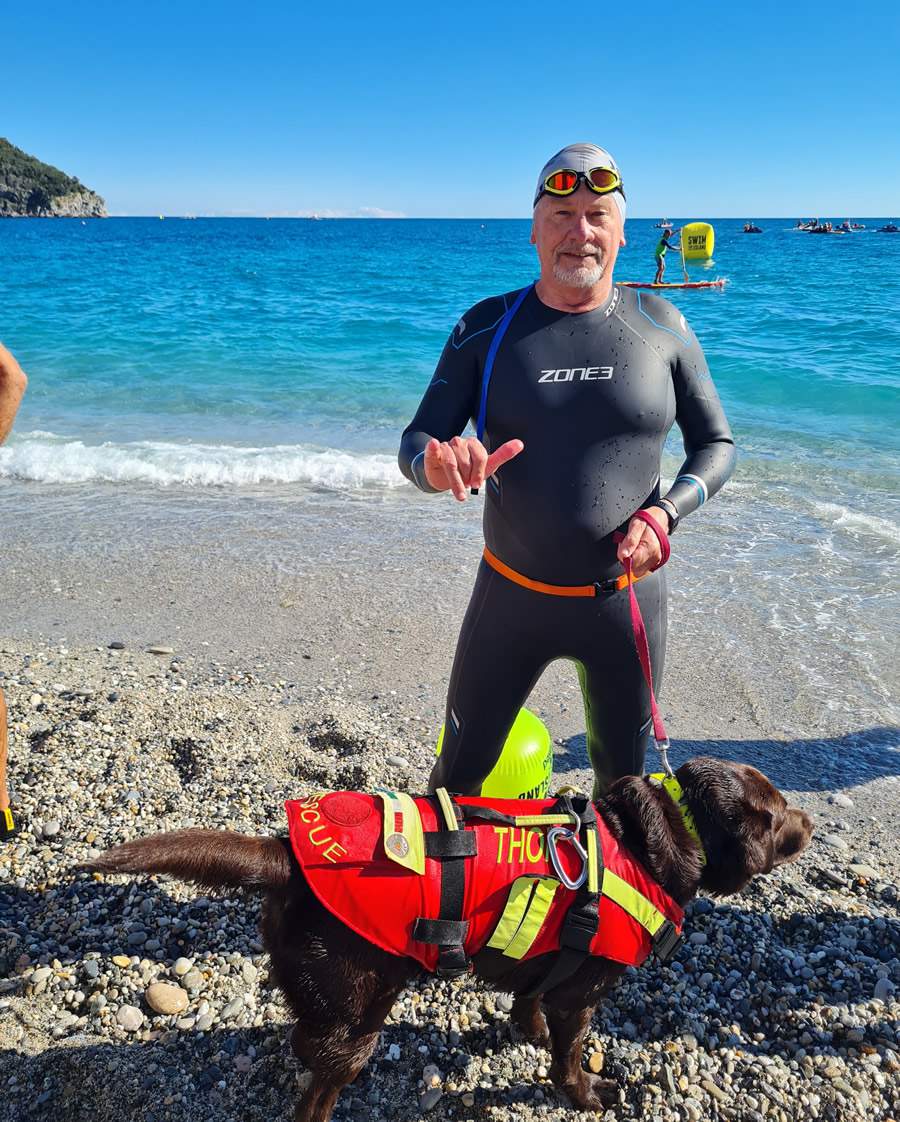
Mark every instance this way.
x=792 y=834
x=746 y=849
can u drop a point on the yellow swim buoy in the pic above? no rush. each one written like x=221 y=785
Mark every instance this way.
x=525 y=767
x=698 y=240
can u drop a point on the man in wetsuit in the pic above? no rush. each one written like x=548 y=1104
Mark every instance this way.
x=662 y=248
x=583 y=388
x=12 y=386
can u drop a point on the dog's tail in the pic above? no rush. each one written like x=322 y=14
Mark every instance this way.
x=212 y=858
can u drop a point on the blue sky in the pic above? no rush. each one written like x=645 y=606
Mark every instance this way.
x=450 y=110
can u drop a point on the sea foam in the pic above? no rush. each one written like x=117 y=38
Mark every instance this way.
x=46 y=457
x=857 y=522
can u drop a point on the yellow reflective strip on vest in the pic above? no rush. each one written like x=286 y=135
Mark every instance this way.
x=405 y=846
x=525 y=911
x=446 y=805
x=544 y=820
x=593 y=879
x=534 y=917
x=513 y=913
x=637 y=906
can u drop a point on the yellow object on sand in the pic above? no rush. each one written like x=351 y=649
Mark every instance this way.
x=698 y=240
x=525 y=767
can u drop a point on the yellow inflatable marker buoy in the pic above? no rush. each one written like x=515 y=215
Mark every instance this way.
x=525 y=767
x=698 y=240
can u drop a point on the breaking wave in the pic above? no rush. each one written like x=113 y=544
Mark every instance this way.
x=45 y=457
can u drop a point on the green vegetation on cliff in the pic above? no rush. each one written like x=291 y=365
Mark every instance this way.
x=29 y=188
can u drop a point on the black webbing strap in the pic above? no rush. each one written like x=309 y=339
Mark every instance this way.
x=448 y=932
x=486 y=814
x=440 y=931
x=583 y=917
x=450 y=843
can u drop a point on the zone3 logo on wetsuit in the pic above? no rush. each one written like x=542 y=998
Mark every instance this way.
x=577 y=373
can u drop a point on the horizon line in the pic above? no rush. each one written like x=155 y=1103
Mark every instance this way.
x=452 y=218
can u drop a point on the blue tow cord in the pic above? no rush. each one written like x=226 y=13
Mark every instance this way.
x=492 y=354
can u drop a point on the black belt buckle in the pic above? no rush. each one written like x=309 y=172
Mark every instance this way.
x=666 y=941
x=452 y=963
x=578 y=930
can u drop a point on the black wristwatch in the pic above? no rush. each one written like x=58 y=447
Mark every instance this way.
x=672 y=510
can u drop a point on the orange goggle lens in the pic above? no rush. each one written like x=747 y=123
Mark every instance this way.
x=562 y=181
x=565 y=181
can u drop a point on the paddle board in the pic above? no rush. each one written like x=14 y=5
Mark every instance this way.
x=718 y=283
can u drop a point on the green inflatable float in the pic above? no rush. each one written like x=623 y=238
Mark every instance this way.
x=525 y=767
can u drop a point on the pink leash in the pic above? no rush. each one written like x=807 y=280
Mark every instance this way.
x=640 y=635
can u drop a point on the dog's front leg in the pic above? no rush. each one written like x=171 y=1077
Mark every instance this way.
x=318 y=1102
x=528 y=1017
x=567 y=1029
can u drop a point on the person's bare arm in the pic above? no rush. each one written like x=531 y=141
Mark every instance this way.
x=12 y=387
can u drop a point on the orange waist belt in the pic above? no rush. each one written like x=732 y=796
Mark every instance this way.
x=615 y=584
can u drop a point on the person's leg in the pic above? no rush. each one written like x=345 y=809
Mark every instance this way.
x=616 y=696
x=500 y=654
x=6 y=820
x=660 y=269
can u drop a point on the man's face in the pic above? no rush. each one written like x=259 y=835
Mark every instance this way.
x=577 y=237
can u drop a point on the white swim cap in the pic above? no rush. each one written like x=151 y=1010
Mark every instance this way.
x=581 y=157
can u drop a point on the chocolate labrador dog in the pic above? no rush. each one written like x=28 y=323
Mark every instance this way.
x=341 y=987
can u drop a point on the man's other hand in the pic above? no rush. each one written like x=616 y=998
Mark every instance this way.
x=641 y=544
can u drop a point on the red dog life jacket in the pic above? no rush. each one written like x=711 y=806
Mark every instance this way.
x=513 y=899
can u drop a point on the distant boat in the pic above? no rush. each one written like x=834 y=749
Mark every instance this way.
x=890 y=228
x=663 y=224
x=749 y=228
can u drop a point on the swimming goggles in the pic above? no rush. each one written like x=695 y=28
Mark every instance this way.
x=565 y=181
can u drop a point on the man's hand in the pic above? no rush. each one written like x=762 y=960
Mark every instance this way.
x=458 y=464
x=641 y=544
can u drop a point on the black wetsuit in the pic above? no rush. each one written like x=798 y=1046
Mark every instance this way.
x=592 y=395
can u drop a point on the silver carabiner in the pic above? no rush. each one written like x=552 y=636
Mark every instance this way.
x=565 y=834
x=663 y=746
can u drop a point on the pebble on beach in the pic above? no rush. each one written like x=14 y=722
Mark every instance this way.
x=166 y=999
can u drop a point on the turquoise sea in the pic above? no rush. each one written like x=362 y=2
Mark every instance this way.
x=282 y=358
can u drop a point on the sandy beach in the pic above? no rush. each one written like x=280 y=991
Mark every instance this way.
x=322 y=661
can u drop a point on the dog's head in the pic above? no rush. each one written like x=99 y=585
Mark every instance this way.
x=745 y=822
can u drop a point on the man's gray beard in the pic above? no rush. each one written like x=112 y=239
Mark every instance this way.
x=582 y=276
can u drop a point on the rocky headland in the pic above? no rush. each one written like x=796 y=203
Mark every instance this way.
x=32 y=189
